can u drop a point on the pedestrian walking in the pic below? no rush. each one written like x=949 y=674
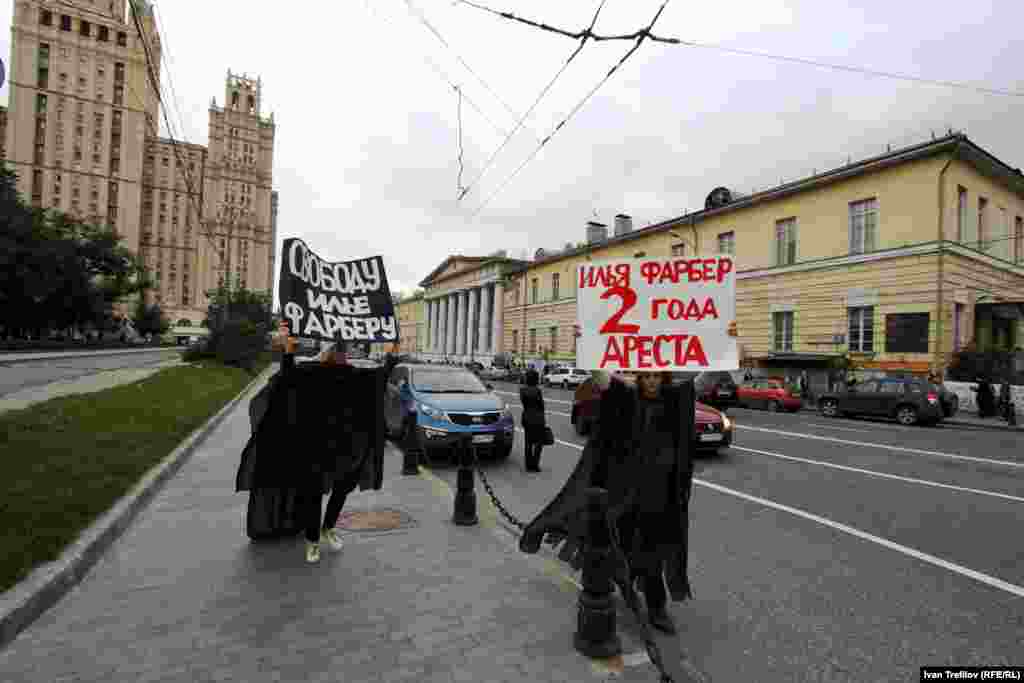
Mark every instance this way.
x=534 y=420
x=640 y=452
x=805 y=388
x=1006 y=407
x=986 y=398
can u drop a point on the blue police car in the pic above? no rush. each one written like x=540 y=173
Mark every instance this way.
x=446 y=406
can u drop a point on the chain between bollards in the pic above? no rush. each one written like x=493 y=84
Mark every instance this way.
x=412 y=451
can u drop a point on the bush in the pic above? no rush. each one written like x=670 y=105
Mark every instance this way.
x=239 y=343
x=198 y=351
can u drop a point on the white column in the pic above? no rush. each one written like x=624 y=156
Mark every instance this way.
x=442 y=328
x=428 y=321
x=485 y=319
x=435 y=322
x=471 y=327
x=497 y=331
x=449 y=346
x=460 y=331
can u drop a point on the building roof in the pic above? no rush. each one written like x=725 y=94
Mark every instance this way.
x=956 y=143
x=475 y=260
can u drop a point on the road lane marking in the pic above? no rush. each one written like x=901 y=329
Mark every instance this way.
x=980 y=577
x=873 y=473
x=901 y=449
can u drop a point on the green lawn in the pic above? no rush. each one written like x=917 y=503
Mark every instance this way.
x=68 y=460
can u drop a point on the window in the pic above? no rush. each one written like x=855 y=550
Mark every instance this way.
x=862 y=329
x=554 y=286
x=679 y=250
x=906 y=332
x=65 y=22
x=554 y=340
x=515 y=340
x=890 y=387
x=863 y=225
x=961 y=212
x=982 y=228
x=84 y=28
x=869 y=387
x=46 y=18
x=727 y=243
x=103 y=34
x=782 y=322
x=1018 y=240
x=122 y=39
x=533 y=341
x=785 y=242
x=533 y=291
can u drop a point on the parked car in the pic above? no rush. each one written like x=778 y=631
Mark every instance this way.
x=566 y=377
x=445 y=405
x=475 y=367
x=713 y=428
x=495 y=374
x=910 y=401
x=771 y=394
x=716 y=389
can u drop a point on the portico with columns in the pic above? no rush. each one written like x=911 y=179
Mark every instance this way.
x=464 y=299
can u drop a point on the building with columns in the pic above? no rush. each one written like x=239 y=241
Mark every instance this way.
x=464 y=308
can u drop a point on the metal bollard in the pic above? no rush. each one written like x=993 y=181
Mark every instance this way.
x=465 y=493
x=410 y=450
x=596 y=634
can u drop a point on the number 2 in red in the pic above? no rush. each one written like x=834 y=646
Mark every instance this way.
x=612 y=325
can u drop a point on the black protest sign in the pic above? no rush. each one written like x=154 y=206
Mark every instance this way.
x=347 y=300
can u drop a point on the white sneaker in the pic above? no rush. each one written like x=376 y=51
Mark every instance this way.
x=331 y=538
x=312 y=552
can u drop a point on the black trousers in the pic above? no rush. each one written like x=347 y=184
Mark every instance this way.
x=342 y=487
x=533 y=445
x=654 y=589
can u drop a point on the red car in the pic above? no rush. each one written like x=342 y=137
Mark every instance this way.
x=771 y=394
x=714 y=429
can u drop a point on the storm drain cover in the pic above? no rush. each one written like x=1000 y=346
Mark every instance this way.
x=375 y=519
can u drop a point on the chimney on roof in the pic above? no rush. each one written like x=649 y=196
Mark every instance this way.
x=623 y=224
x=596 y=232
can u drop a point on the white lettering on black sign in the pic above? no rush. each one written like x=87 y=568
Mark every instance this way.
x=348 y=301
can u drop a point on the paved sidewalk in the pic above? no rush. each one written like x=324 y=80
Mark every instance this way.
x=184 y=596
x=88 y=384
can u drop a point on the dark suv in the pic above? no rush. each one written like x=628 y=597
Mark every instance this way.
x=716 y=389
x=910 y=401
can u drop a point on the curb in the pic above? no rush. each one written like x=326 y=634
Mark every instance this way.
x=59 y=355
x=47 y=584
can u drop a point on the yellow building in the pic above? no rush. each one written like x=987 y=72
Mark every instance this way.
x=412 y=335
x=893 y=262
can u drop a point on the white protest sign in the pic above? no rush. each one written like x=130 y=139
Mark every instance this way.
x=651 y=314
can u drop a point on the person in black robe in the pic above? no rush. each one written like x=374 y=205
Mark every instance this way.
x=640 y=451
x=317 y=427
x=986 y=398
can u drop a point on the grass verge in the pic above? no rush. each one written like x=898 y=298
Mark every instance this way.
x=68 y=460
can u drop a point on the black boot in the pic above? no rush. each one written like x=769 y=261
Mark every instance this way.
x=660 y=619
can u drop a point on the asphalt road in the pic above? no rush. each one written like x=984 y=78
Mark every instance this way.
x=833 y=550
x=26 y=374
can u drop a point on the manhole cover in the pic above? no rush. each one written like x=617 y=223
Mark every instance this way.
x=378 y=519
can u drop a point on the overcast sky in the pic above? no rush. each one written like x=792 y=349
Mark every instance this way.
x=367 y=138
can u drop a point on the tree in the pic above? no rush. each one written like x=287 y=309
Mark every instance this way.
x=239 y=320
x=59 y=271
x=150 y=319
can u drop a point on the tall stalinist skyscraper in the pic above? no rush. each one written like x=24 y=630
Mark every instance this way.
x=82 y=135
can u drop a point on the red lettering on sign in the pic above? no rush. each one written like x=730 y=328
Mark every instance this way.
x=612 y=325
x=622 y=270
x=688 y=350
x=709 y=309
x=724 y=268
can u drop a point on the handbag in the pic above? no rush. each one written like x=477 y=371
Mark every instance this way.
x=549 y=436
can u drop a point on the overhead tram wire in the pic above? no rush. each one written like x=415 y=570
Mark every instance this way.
x=419 y=15
x=639 y=41
x=166 y=59
x=440 y=73
x=154 y=81
x=747 y=53
x=543 y=92
x=458 y=182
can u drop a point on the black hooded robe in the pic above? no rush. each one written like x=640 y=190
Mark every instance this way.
x=641 y=451
x=311 y=425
